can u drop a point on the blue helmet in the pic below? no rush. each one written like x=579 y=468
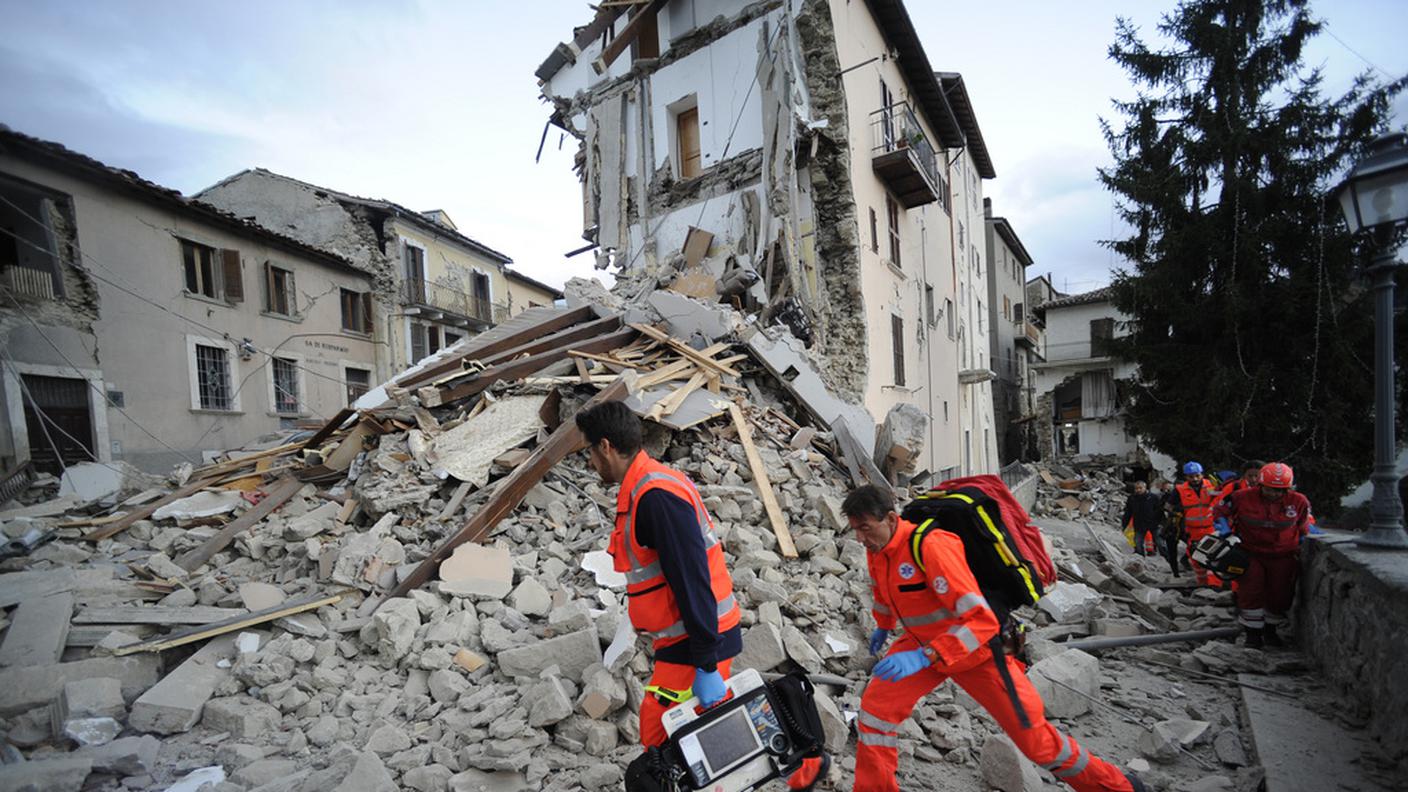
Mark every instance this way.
x=1192 y=469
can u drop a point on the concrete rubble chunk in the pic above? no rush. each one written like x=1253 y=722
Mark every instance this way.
x=762 y=648
x=99 y=697
x=446 y=686
x=572 y=653
x=429 y=778
x=37 y=632
x=358 y=553
x=312 y=523
x=531 y=598
x=264 y=771
x=176 y=702
x=1058 y=678
x=359 y=772
x=900 y=445
x=801 y=650
x=125 y=756
x=474 y=570
x=202 y=504
x=550 y=703
x=394 y=624
x=833 y=724
x=602 y=693
x=601 y=776
x=1069 y=603
x=474 y=780
x=1162 y=741
x=258 y=596
x=90 y=481
x=26 y=687
x=1005 y=768
x=1228 y=746
x=241 y=716
x=65 y=774
x=388 y=740
x=92 y=731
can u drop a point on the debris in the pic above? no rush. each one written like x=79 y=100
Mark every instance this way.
x=63 y=774
x=1069 y=603
x=38 y=631
x=477 y=571
x=572 y=653
x=202 y=504
x=1073 y=668
x=1005 y=768
x=176 y=702
x=468 y=450
x=760 y=480
x=238 y=622
x=26 y=687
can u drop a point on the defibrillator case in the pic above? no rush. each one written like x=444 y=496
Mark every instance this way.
x=1224 y=556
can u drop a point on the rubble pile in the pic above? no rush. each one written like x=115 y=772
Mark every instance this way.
x=418 y=597
x=1094 y=490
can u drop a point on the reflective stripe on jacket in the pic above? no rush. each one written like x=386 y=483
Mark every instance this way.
x=1197 y=507
x=941 y=607
x=1269 y=527
x=650 y=602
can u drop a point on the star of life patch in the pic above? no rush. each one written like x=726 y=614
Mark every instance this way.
x=907 y=570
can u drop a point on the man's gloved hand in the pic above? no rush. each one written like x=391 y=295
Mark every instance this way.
x=1221 y=526
x=708 y=687
x=901 y=664
x=878 y=639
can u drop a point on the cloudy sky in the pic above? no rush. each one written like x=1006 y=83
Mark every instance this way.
x=434 y=104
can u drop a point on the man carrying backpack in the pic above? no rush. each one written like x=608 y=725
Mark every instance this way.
x=948 y=632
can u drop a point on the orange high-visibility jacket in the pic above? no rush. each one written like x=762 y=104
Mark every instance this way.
x=1197 y=507
x=650 y=602
x=940 y=606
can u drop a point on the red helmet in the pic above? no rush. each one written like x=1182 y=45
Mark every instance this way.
x=1277 y=475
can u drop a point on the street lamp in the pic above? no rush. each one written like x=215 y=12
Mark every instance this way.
x=1374 y=198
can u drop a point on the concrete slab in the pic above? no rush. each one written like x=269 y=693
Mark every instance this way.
x=89 y=481
x=477 y=570
x=38 y=631
x=573 y=653
x=51 y=775
x=17 y=587
x=26 y=687
x=787 y=361
x=468 y=450
x=1300 y=749
x=175 y=704
x=201 y=504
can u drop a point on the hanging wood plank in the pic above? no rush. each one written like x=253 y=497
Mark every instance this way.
x=279 y=492
x=143 y=512
x=566 y=439
x=229 y=625
x=628 y=34
x=522 y=367
x=760 y=478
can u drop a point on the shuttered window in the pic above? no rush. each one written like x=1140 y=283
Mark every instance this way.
x=897 y=341
x=687 y=132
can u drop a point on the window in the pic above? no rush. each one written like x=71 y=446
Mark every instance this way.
x=929 y=304
x=415 y=273
x=278 y=291
x=285 y=386
x=1102 y=332
x=874 y=233
x=948 y=314
x=199 y=262
x=1017 y=312
x=213 y=378
x=892 y=209
x=451 y=338
x=356 y=311
x=897 y=342
x=1006 y=308
x=479 y=285
x=359 y=381
x=647 y=42
x=687 y=135
x=425 y=340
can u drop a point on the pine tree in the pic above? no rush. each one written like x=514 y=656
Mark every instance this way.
x=1250 y=325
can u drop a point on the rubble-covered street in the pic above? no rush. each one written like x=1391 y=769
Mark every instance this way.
x=231 y=624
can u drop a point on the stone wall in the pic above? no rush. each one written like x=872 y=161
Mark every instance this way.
x=1352 y=621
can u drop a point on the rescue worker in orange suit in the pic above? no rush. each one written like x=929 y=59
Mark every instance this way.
x=1271 y=521
x=1192 y=502
x=947 y=629
x=678 y=587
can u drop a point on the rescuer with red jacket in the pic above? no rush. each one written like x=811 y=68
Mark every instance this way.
x=678 y=588
x=948 y=627
x=1271 y=520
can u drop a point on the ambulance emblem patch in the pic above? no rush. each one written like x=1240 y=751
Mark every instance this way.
x=1291 y=511
x=907 y=570
x=941 y=584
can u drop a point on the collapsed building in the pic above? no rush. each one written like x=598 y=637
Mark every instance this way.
x=803 y=162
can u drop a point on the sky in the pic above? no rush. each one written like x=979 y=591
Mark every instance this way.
x=434 y=105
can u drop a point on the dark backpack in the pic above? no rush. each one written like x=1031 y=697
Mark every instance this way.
x=1007 y=578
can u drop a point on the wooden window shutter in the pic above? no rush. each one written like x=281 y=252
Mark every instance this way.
x=268 y=286
x=366 y=312
x=292 y=295
x=234 y=282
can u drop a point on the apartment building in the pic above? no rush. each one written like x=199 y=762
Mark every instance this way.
x=801 y=161
x=1015 y=340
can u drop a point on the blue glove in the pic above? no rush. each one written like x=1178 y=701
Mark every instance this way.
x=878 y=639
x=1222 y=527
x=708 y=687
x=1315 y=531
x=901 y=664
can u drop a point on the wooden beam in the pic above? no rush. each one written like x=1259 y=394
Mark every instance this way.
x=549 y=325
x=580 y=332
x=685 y=349
x=143 y=512
x=626 y=36
x=331 y=426
x=517 y=369
x=760 y=478
x=229 y=625
x=566 y=439
x=281 y=491
x=668 y=404
x=155 y=614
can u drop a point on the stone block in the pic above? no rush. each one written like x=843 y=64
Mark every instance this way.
x=1074 y=670
x=312 y=523
x=602 y=693
x=801 y=650
x=241 y=716
x=23 y=688
x=37 y=632
x=475 y=570
x=358 y=772
x=446 y=685
x=175 y=703
x=264 y=771
x=531 y=598
x=1068 y=603
x=258 y=596
x=833 y=724
x=125 y=756
x=46 y=775
x=100 y=697
x=1005 y=768
x=762 y=648
x=572 y=653
x=1163 y=741
x=550 y=703
x=394 y=626
x=474 y=780
x=428 y=778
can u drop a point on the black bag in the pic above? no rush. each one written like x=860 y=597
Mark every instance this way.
x=653 y=771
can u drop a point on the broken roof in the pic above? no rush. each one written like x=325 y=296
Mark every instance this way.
x=418 y=218
x=1098 y=295
x=60 y=157
x=957 y=94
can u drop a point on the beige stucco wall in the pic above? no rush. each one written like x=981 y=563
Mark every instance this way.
x=931 y=357
x=143 y=349
x=522 y=296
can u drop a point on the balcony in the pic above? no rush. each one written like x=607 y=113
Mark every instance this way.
x=452 y=306
x=1028 y=334
x=903 y=158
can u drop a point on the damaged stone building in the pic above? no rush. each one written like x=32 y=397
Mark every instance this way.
x=139 y=325
x=434 y=284
x=802 y=161
x=1016 y=340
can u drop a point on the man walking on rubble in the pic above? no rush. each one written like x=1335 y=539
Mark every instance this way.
x=678 y=588
x=1192 y=502
x=1145 y=510
x=947 y=627
x=1170 y=529
x=1271 y=519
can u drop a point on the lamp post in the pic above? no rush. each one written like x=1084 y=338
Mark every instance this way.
x=1374 y=198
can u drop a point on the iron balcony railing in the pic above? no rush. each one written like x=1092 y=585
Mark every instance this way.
x=895 y=129
x=444 y=298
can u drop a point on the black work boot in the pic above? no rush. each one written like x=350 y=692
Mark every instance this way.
x=1273 y=639
x=1135 y=782
x=1255 y=637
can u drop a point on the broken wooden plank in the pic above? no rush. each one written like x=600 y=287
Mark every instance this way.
x=675 y=370
x=87 y=636
x=672 y=402
x=628 y=34
x=239 y=622
x=331 y=426
x=154 y=614
x=606 y=359
x=570 y=335
x=522 y=367
x=760 y=478
x=688 y=351
x=566 y=439
x=550 y=325
x=281 y=491
x=143 y=512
